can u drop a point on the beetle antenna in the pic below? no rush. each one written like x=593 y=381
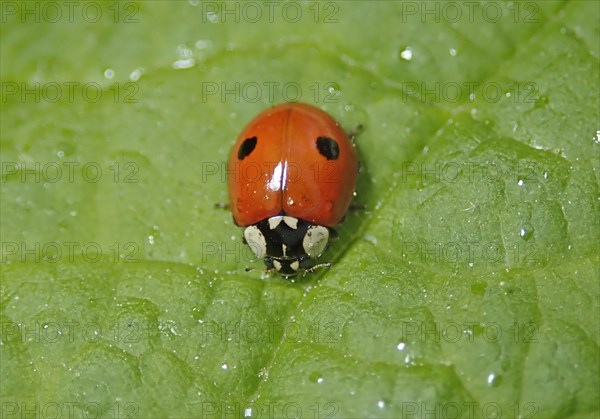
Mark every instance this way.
x=317 y=266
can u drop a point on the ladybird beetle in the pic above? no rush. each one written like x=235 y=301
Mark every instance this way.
x=292 y=174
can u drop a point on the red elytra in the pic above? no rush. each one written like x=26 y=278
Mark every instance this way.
x=295 y=160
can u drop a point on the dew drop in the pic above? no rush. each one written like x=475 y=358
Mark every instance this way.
x=183 y=64
x=494 y=380
x=212 y=17
x=406 y=54
x=263 y=373
x=526 y=232
x=153 y=235
x=315 y=377
x=371 y=239
x=136 y=74
x=66 y=148
x=186 y=59
x=334 y=88
x=203 y=44
x=401 y=346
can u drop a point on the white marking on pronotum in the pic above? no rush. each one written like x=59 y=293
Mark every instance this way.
x=315 y=240
x=291 y=222
x=284 y=248
x=275 y=221
x=277 y=264
x=256 y=241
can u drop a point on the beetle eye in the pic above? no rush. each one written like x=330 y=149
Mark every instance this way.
x=247 y=147
x=328 y=148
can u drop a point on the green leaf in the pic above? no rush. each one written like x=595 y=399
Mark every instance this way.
x=467 y=287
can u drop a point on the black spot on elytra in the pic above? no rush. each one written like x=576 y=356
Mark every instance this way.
x=247 y=147
x=328 y=148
